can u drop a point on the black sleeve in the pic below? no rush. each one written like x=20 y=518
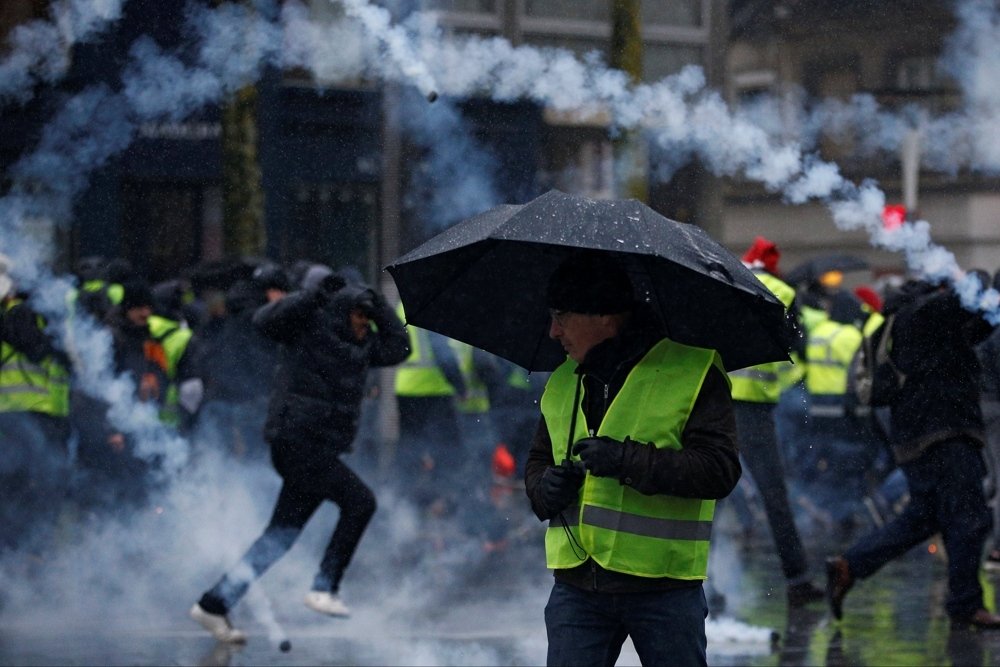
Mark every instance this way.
x=444 y=357
x=189 y=365
x=539 y=458
x=707 y=465
x=21 y=331
x=392 y=344
x=282 y=320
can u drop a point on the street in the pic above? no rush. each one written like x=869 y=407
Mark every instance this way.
x=445 y=603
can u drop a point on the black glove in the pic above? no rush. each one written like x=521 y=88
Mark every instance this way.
x=602 y=456
x=560 y=486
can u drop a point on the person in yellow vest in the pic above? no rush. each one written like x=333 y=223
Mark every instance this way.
x=114 y=476
x=473 y=407
x=756 y=391
x=430 y=448
x=34 y=424
x=169 y=326
x=635 y=444
x=840 y=451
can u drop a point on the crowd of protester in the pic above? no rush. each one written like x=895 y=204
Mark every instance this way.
x=818 y=465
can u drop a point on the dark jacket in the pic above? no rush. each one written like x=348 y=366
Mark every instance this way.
x=933 y=343
x=19 y=328
x=320 y=378
x=237 y=361
x=706 y=466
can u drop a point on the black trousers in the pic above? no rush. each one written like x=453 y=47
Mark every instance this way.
x=759 y=450
x=309 y=479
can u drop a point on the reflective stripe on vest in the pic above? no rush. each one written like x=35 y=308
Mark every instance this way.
x=620 y=528
x=29 y=387
x=765 y=382
x=419 y=375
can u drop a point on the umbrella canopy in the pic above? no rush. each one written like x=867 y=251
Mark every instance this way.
x=810 y=270
x=483 y=281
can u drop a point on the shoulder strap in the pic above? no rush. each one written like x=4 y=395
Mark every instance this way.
x=882 y=354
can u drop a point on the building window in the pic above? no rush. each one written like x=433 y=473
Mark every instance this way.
x=332 y=223
x=465 y=6
x=688 y=13
x=581 y=46
x=660 y=60
x=577 y=10
x=162 y=227
x=918 y=73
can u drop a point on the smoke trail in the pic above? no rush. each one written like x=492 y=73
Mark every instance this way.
x=39 y=50
x=456 y=179
x=679 y=113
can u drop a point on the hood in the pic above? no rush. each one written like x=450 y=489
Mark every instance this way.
x=315 y=275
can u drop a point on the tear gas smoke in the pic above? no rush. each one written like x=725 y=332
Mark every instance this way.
x=39 y=50
x=233 y=44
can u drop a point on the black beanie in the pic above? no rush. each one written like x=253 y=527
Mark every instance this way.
x=591 y=283
x=136 y=293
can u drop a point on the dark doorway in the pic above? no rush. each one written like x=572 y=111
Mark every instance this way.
x=332 y=223
x=162 y=226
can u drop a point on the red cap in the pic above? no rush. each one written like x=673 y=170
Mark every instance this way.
x=869 y=296
x=763 y=253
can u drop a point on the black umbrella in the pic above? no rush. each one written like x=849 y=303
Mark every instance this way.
x=483 y=280
x=810 y=270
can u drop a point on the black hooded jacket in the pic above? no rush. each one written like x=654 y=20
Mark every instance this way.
x=320 y=378
x=933 y=343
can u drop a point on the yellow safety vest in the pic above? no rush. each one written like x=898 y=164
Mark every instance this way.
x=29 y=387
x=174 y=338
x=477 y=399
x=765 y=382
x=419 y=375
x=829 y=351
x=621 y=529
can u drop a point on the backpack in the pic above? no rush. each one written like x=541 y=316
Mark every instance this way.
x=873 y=378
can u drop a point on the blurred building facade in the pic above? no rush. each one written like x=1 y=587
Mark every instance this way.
x=338 y=175
x=809 y=50
x=341 y=179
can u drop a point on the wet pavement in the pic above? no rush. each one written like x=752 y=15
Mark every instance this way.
x=462 y=606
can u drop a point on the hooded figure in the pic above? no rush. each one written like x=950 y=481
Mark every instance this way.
x=329 y=345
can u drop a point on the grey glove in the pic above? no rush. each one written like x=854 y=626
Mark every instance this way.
x=602 y=456
x=560 y=487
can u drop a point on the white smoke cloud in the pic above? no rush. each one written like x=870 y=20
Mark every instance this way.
x=680 y=114
x=39 y=51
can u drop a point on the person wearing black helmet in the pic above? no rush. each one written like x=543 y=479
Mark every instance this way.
x=329 y=345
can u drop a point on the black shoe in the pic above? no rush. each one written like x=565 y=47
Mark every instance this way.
x=799 y=595
x=838 y=582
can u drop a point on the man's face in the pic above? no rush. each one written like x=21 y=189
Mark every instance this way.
x=360 y=323
x=139 y=315
x=578 y=333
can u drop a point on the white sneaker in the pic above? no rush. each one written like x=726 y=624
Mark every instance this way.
x=326 y=603
x=218 y=625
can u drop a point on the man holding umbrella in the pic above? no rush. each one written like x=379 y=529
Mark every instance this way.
x=638 y=431
x=641 y=318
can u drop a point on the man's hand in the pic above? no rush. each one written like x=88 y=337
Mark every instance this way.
x=602 y=456
x=560 y=486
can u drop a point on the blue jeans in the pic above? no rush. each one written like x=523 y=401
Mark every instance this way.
x=946 y=496
x=587 y=628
